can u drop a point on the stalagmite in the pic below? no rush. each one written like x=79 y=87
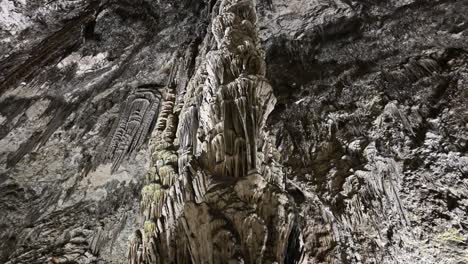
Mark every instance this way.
x=210 y=202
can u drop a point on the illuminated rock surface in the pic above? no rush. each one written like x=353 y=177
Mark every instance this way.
x=233 y=131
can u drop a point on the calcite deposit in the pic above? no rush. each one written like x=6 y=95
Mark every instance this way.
x=234 y=131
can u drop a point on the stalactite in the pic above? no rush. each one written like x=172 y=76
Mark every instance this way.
x=218 y=199
x=156 y=197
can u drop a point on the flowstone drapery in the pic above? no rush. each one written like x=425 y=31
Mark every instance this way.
x=219 y=197
x=136 y=117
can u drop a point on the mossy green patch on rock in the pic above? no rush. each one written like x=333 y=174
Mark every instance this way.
x=149 y=227
x=151 y=191
x=451 y=235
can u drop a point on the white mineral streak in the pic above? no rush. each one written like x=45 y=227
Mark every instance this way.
x=219 y=198
x=10 y=17
x=85 y=64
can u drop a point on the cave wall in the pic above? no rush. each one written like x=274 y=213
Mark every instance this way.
x=367 y=140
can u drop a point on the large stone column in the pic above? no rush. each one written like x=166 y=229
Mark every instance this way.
x=217 y=199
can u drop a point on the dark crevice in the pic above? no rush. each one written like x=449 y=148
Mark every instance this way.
x=294 y=250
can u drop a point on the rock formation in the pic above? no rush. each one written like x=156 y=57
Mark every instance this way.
x=233 y=131
x=135 y=122
x=210 y=201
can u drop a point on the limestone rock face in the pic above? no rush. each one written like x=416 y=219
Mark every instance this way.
x=233 y=131
x=209 y=202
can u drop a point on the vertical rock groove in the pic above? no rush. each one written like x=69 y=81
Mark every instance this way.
x=219 y=197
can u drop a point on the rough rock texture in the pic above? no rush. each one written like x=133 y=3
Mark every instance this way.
x=229 y=131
